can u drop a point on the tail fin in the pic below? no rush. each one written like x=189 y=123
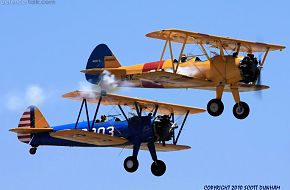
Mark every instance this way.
x=31 y=118
x=101 y=57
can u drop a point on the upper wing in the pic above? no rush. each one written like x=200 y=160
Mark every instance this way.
x=146 y=105
x=227 y=43
x=88 y=137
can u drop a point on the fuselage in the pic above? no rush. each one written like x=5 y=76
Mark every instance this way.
x=219 y=69
x=134 y=130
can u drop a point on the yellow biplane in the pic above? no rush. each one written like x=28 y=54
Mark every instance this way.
x=223 y=70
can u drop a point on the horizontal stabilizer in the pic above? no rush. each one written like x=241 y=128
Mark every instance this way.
x=28 y=130
x=93 y=138
x=98 y=71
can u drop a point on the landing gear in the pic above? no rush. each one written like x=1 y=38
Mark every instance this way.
x=32 y=150
x=241 y=110
x=215 y=107
x=158 y=168
x=131 y=164
x=139 y=123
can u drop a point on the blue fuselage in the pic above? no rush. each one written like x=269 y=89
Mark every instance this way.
x=135 y=130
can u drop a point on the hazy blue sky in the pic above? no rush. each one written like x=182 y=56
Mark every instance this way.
x=47 y=46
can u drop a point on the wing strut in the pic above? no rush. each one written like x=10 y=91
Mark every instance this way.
x=204 y=51
x=265 y=56
x=84 y=102
x=171 y=55
x=96 y=112
x=155 y=111
x=180 y=54
x=163 y=51
x=120 y=107
x=138 y=109
x=172 y=119
x=182 y=125
x=80 y=113
x=87 y=113
x=238 y=49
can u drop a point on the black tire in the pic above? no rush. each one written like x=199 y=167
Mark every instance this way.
x=131 y=164
x=215 y=107
x=32 y=150
x=158 y=168
x=241 y=110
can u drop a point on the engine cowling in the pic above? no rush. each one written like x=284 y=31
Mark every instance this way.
x=163 y=128
x=250 y=69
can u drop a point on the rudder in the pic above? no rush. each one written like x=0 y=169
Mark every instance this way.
x=101 y=57
x=31 y=118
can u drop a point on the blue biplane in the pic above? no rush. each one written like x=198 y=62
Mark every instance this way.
x=140 y=131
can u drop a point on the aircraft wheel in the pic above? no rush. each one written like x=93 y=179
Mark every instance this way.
x=215 y=107
x=158 y=168
x=241 y=110
x=32 y=150
x=131 y=164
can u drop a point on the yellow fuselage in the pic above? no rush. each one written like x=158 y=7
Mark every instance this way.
x=219 y=69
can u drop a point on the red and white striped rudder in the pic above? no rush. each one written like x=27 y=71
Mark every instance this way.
x=31 y=118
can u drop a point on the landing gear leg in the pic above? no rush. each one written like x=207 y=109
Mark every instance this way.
x=131 y=163
x=241 y=109
x=215 y=107
x=158 y=167
x=32 y=150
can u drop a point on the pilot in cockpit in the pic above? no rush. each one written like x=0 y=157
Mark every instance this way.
x=183 y=58
x=103 y=118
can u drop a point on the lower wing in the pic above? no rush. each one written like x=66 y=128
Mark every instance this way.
x=81 y=136
x=173 y=80
x=160 y=147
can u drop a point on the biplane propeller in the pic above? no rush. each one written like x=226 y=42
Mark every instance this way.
x=222 y=72
x=154 y=131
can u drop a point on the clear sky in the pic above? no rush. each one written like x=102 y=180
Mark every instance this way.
x=46 y=46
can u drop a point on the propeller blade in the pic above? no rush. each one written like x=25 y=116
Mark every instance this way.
x=259 y=80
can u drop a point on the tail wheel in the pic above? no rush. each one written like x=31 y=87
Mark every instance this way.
x=158 y=168
x=131 y=164
x=32 y=150
x=215 y=107
x=241 y=110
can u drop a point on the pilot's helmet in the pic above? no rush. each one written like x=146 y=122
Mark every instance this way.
x=183 y=58
x=103 y=117
x=251 y=55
